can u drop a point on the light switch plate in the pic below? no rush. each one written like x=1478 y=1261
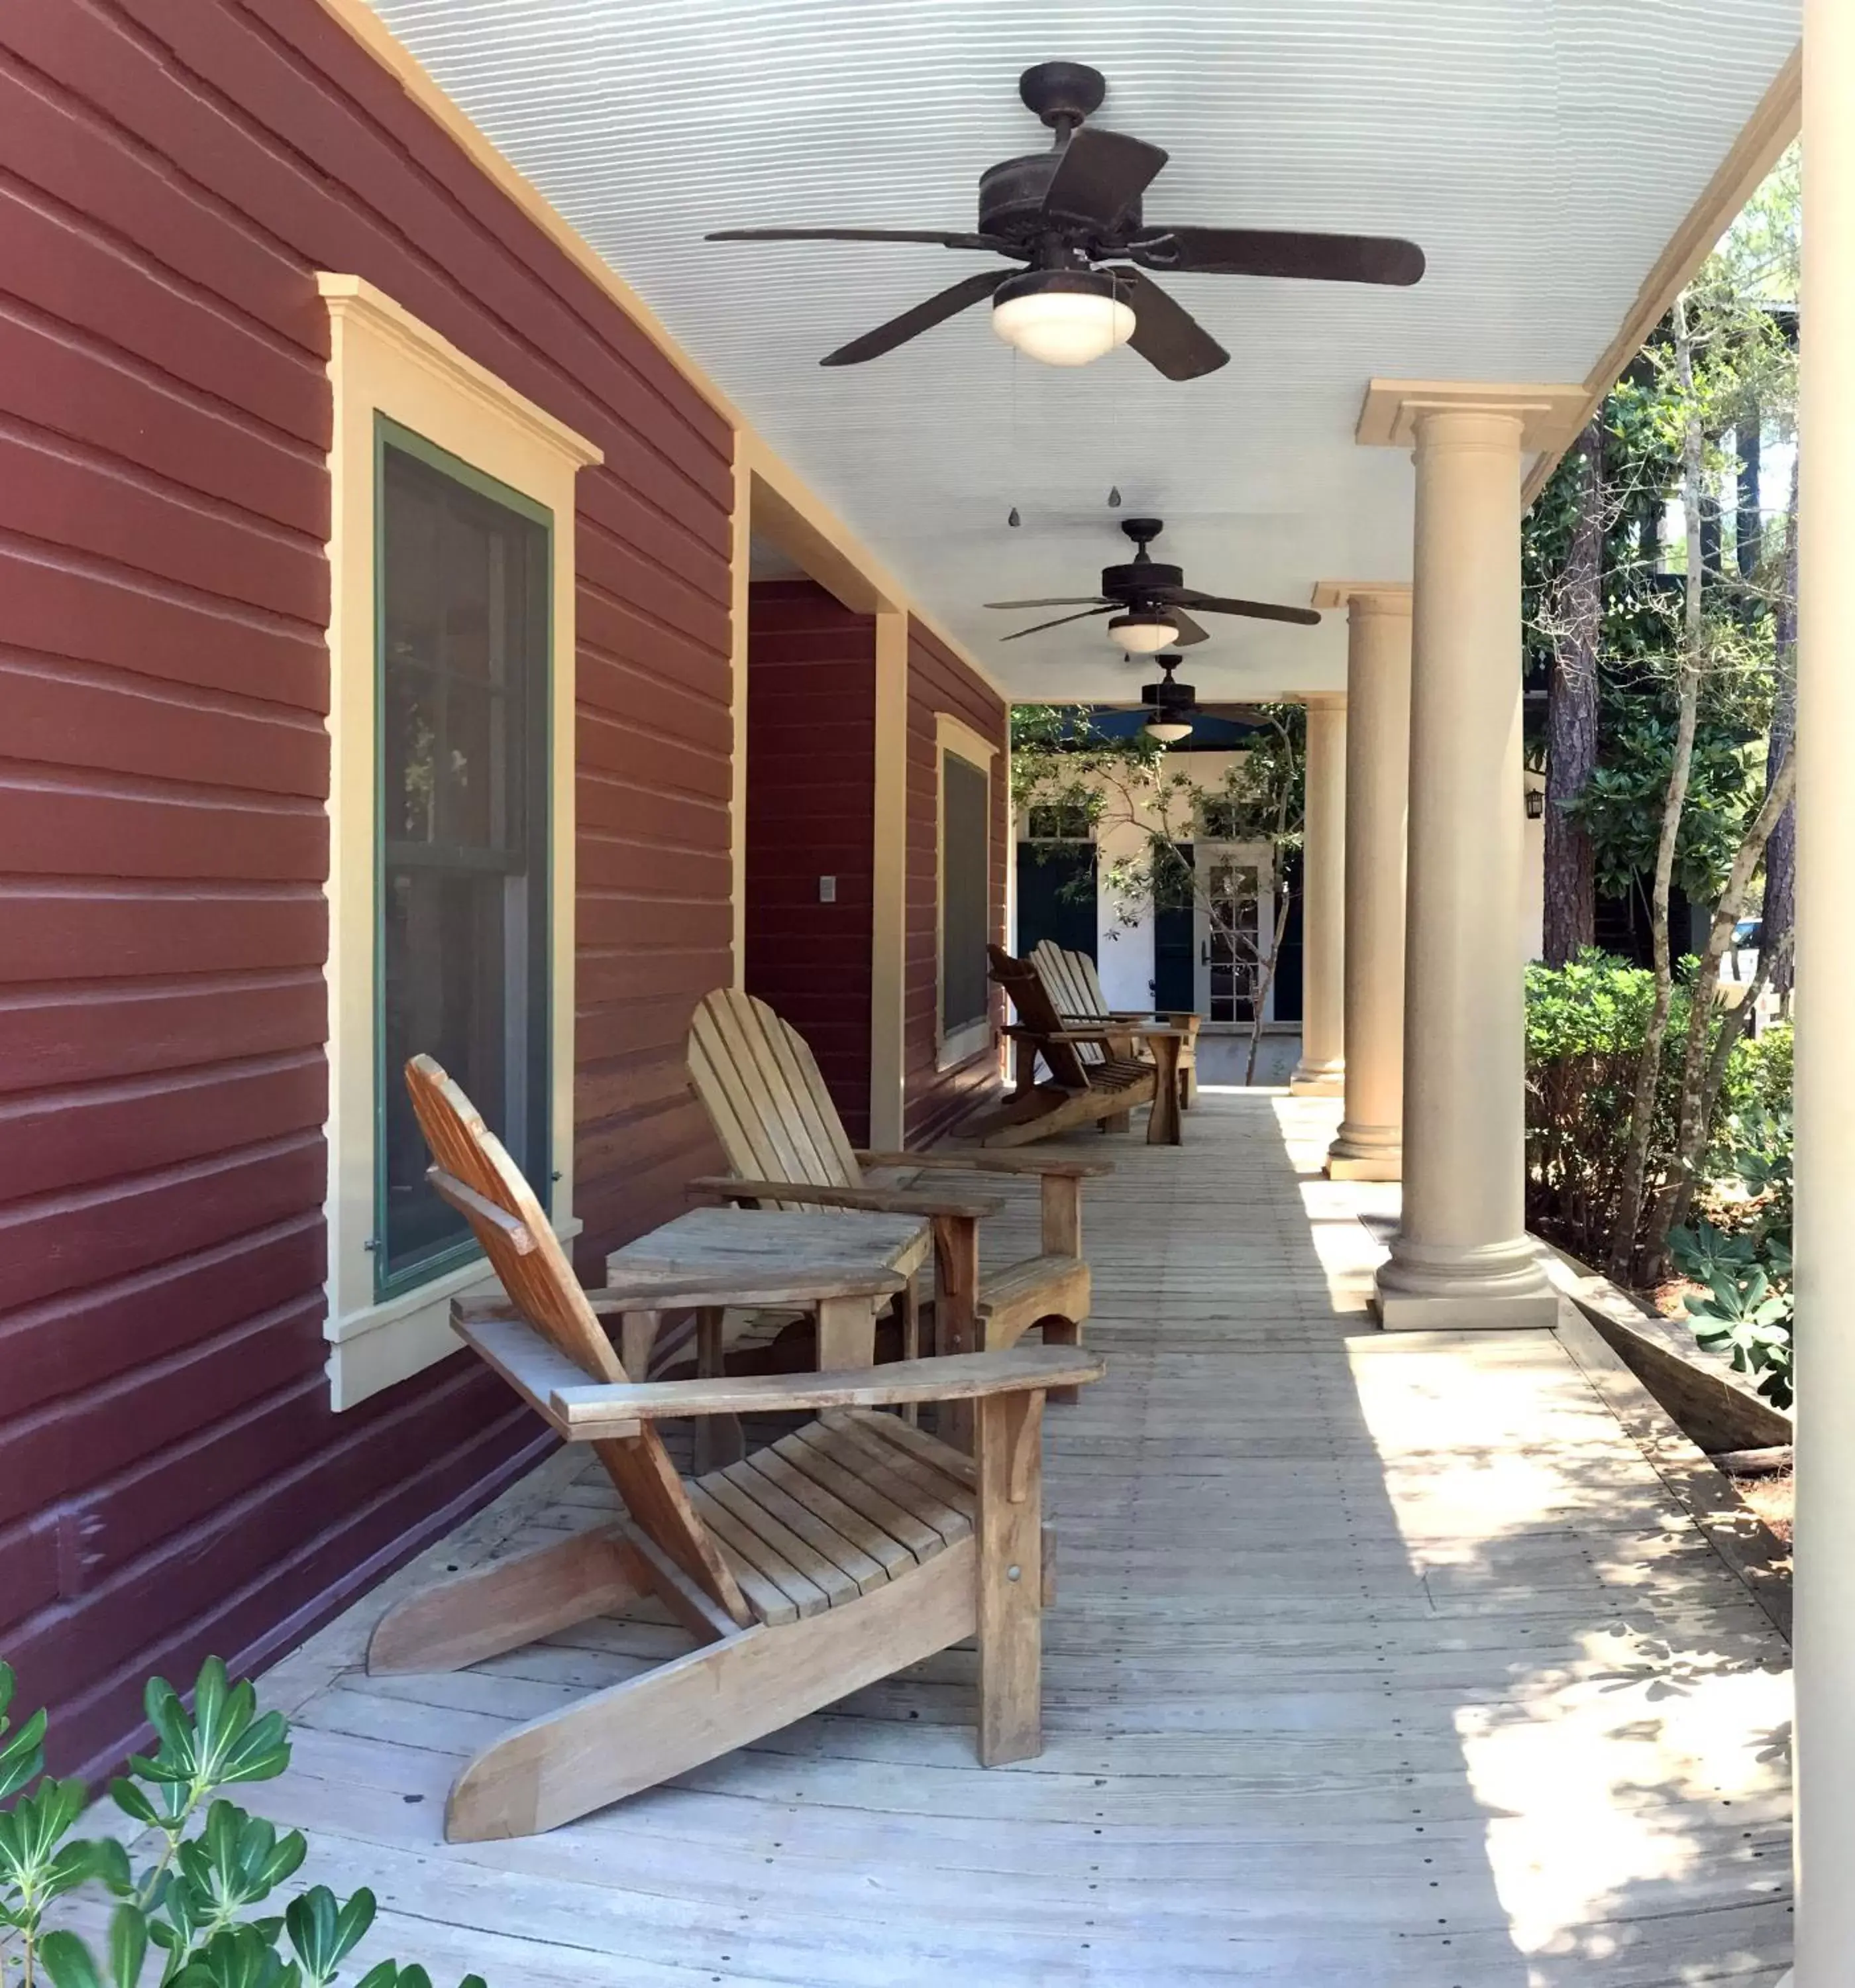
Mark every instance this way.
x=827 y=889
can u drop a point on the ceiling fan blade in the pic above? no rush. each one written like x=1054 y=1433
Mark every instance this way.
x=1261 y=252
x=1166 y=335
x=1061 y=621
x=1074 y=601
x=939 y=237
x=1188 y=630
x=1257 y=610
x=946 y=303
x=1100 y=175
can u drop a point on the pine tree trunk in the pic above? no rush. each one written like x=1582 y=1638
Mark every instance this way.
x=1571 y=717
x=1634 y=1191
x=1781 y=851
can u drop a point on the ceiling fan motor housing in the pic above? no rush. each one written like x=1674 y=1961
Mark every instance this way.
x=1167 y=697
x=1011 y=196
x=1146 y=578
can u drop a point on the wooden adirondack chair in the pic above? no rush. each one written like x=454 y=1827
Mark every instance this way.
x=761 y=1087
x=1075 y=985
x=1082 y=1091
x=849 y=1549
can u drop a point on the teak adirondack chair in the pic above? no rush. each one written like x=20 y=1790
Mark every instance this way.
x=1082 y=1091
x=1075 y=985
x=853 y=1547
x=761 y=1087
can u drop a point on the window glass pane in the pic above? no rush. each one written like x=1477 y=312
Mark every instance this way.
x=965 y=892
x=463 y=742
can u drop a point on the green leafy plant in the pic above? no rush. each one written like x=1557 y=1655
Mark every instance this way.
x=193 y=1904
x=1748 y=1319
x=1744 y=1259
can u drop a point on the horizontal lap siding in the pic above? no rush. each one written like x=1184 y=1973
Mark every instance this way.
x=173 y=173
x=811 y=812
x=933 y=1099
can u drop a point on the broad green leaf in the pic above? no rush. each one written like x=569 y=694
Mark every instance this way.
x=22 y=1757
x=130 y=1800
x=67 y=1960
x=128 y=1946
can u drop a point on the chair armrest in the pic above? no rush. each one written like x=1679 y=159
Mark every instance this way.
x=981 y=1162
x=588 y=1413
x=678 y=1291
x=882 y=1200
x=581 y=1409
x=1106 y=1034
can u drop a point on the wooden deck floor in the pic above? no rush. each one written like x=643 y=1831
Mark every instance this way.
x=1376 y=1661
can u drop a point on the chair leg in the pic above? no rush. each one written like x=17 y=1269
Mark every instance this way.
x=618 y=1741
x=910 y=1302
x=1062 y=1332
x=718 y=1441
x=508 y=1603
x=1118 y=1121
x=1010 y=1461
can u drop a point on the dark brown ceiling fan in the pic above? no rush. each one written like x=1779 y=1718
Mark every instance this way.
x=1150 y=601
x=1074 y=214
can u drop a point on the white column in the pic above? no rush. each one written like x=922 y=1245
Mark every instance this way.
x=1462 y=1257
x=1324 y=903
x=1369 y=1146
x=1825 y=1153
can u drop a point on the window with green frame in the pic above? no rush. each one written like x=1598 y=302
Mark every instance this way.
x=463 y=566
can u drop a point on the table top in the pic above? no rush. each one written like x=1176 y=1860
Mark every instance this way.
x=743 y=1240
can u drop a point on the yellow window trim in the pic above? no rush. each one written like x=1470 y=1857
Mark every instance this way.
x=950 y=734
x=383 y=360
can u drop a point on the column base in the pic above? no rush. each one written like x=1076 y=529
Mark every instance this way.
x=1366 y=1153
x=1317 y=1080
x=1450 y=1287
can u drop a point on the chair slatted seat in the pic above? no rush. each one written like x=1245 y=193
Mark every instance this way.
x=1079 y=1092
x=855 y=1547
x=1075 y=983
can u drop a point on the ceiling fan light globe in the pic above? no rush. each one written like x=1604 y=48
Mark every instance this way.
x=1167 y=731
x=1142 y=634
x=1061 y=317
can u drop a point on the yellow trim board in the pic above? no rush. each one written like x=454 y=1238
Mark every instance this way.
x=1550 y=416
x=889 y=887
x=954 y=734
x=383 y=360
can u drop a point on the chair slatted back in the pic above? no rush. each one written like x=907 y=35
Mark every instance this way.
x=1056 y=967
x=765 y=1096
x=1025 y=987
x=1090 y=978
x=541 y=1284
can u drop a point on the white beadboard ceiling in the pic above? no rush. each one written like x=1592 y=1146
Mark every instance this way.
x=1542 y=152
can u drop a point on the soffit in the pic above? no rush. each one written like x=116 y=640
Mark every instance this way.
x=1543 y=152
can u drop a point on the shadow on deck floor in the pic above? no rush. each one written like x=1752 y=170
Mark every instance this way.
x=1375 y=1661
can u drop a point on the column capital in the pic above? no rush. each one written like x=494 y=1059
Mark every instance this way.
x=1550 y=416
x=1364 y=597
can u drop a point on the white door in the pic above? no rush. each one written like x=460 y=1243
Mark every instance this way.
x=1233 y=930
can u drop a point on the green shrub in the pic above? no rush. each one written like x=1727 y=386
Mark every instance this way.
x=193 y=1904
x=1585 y=1025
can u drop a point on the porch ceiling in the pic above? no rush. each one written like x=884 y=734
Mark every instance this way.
x=1543 y=152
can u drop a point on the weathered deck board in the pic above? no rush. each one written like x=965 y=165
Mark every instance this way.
x=1386 y=1662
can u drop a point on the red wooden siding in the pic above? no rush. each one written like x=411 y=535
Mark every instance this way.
x=173 y=173
x=938 y=682
x=811 y=812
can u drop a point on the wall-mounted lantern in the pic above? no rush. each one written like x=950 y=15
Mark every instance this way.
x=1535 y=804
